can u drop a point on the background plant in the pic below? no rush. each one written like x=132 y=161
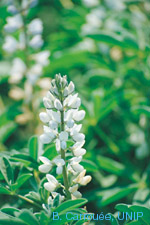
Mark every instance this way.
x=107 y=48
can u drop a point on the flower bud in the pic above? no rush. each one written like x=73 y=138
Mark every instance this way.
x=78 y=137
x=63 y=136
x=44 y=117
x=53 y=125
x=86 y=180
x=70 y=123
x=70 y=87
x=47 y=103
x=58 y=105
x=45 y=139
x=63 y=145
x=79 y=152
x=79 y=115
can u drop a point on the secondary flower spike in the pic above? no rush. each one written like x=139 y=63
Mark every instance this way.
x=62 y=128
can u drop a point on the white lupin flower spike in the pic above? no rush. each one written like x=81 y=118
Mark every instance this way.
x=61 y=118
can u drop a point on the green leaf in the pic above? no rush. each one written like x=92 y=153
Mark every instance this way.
x=112 y=39
x=21 y=180
x=25 y=159
x=6 y=130
x=6 y=170
x=89 y=165
x=141 y=109
x=4 y=190
x=134 y=223
x=33 y=196
x=50 y=152
x=28 y=217
x=56 y=201
x=115 y=167
x=146 y=212
x=113 y=220
x=44 y=218
x=10 y=211
x=112 y=195
x=144 y=219
x=33 y=147
x=70 y=204
x=123 y=208
x=9 y=220
x=110 y=165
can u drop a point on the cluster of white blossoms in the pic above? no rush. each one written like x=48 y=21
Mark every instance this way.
x=61 y=127
x=27 y=38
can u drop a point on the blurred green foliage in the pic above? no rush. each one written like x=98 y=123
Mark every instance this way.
x=104 y=49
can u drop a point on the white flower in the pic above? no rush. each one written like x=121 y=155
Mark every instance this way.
x=45 y=138
x=76 y=194
x=82 y=179
x=69 y=114
x=47 y=166
x=79 y=152
x=50 y=132
x=36 y=42
x=78 y=145
x=86 y=180
x=12 y=9
x=63 y=136
x=74 y=191
x=52 y=183
x=47 y=103
x=55 y=116
x=79 y=115
x=50 y=96
x=63 y=145
x=44 y=117
x=74 y=162
x=78 y=137
x=13 y=23
x=28 y=4
x=75 y=129
x=53 y=125
x=73 y=101
x=58 y=105
x=77 y=148
x=65 y=91
x=35 y=27
x=10 y=45
x=42 y=57
x=70 y=123
x=59 y=163
x=74 y=188
x=70 y=87
x=18 y=70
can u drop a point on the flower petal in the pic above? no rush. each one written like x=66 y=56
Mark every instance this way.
x=45 y=168
x=79 y=115
x=49 y=186
x=44 y=117
x=63 y=136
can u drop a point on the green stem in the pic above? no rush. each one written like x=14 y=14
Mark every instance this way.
x=65 y=177
x=29 y=200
